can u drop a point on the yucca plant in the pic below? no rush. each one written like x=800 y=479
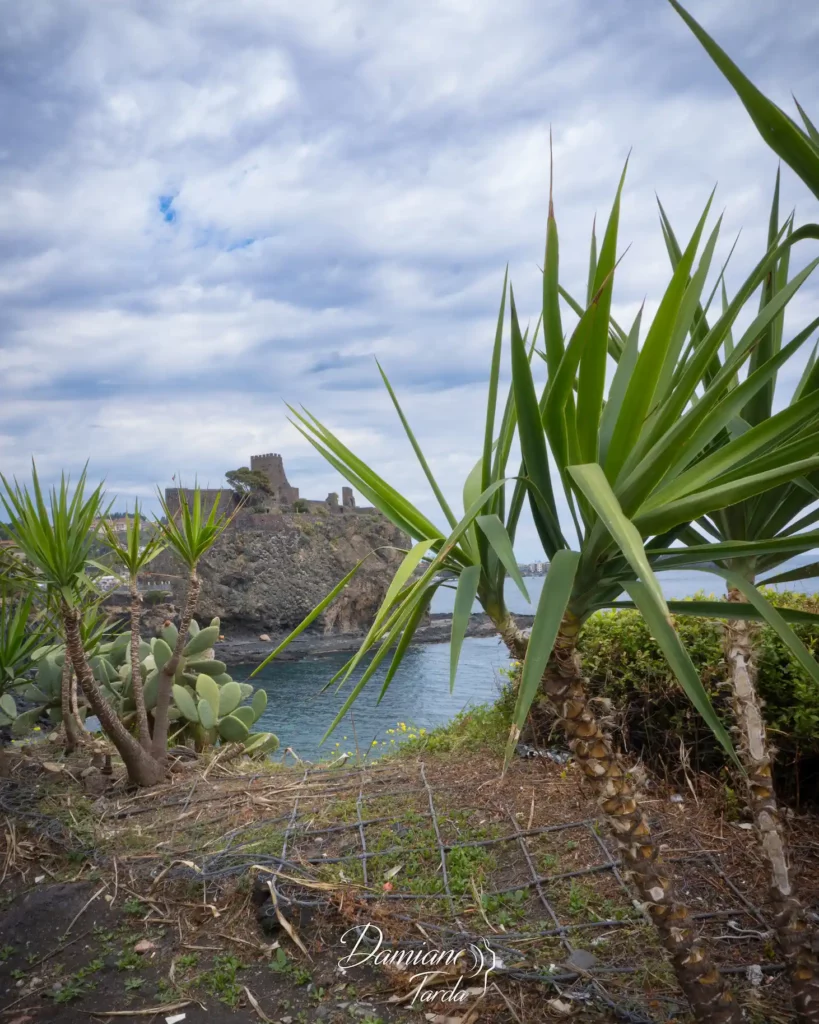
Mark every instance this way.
x=188 y=534
x=637 y=467
x=19 y=639
x=771 y=524
x=476 y=557
x=56 y=537
x=620 y=457
x=134 y=552
x=94 y=625
x=798 y=147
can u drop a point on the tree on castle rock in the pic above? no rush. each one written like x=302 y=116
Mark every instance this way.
x=245 y=481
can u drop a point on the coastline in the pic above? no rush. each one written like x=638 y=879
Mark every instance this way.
x=240 y=646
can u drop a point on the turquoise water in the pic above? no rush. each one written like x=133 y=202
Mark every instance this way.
x=299 y=714
x=419 y=695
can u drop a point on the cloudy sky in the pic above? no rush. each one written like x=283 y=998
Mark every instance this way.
x=208 y=209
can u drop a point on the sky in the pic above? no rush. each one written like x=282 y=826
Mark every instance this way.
x=208 y=210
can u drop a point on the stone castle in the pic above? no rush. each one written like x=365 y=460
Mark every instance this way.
x=283 y=496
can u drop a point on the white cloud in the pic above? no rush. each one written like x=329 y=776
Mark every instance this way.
x=345 y=181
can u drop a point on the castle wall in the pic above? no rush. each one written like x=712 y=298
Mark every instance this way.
x=271 y=464
x=210 y=496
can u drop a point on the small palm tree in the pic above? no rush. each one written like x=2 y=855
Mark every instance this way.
x=56 y=538
x=93 y=627
x=134 y=552
x=763 y=533
x=188 y=534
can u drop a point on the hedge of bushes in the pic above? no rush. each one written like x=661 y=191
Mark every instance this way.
x=625 y=665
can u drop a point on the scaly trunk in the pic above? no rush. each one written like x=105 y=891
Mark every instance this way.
x=136 y=673
x=163 y=698
x=514 y=638
x=143 y=770
x=793 y=932
x=564 y=686
x=73 y=735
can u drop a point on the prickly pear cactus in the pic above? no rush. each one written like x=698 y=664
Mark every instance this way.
x=207 y=704
x=44 y=691
x=20 y=722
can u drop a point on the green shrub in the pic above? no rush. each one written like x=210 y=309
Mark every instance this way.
x=652 y=716
x=624 y=664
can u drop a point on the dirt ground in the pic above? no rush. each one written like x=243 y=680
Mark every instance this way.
x=129 y=906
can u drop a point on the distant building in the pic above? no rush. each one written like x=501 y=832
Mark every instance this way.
x=118 y=524
x=272 y=466
x=282 y=493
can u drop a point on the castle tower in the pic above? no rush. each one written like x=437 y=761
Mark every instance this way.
x=273 y=468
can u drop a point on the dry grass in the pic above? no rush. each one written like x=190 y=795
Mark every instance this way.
x=528 y=868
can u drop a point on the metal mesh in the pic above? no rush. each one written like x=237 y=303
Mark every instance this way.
x=732 y=924
x=327 y=835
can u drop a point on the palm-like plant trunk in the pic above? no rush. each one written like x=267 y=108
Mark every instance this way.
x=136 y=673
x=73 y=734
x=515 y=639
x=793 y=933
x=143 y=770
x=565 y=688
x=163 y=699
x=75 y=704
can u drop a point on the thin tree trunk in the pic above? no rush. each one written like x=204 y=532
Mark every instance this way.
x=794 y=934
x=73 y=738
x=564 y=686
x=75 y=706
x=136 y=672
x=143 y=770
x=163 y=699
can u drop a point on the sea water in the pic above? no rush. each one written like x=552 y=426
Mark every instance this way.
x=299 y=711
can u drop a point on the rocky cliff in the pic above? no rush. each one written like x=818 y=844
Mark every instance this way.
x=266 y=572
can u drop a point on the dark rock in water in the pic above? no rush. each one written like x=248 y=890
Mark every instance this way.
x=239 y=646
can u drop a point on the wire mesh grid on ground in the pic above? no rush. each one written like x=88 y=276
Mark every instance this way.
x=441 y=866
x=445 y=857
